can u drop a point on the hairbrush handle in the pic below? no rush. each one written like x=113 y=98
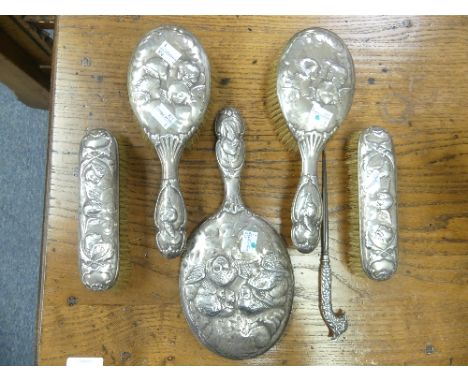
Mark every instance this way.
x=170 y=215
x=306 y=212
x=230 y=152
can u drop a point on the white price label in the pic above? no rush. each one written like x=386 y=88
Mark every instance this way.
x=164 y=116
x=85 y=361
x=319 y=117
x=168 y=53
x=249 y=241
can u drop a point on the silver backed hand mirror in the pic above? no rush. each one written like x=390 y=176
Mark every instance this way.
x=315 y=87
x=236 y=279
x=169 y=91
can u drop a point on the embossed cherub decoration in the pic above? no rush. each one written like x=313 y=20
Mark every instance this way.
x=169 y=89
x=169 y=236
x=98 y=210
x=236 y=281
x=378 y=204
x=314 y=88
x=213 y=297
x=230 y=130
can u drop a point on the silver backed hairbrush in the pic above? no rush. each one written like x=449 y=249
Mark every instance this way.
x=236 y=280
x=314 y=86
x=169 y=91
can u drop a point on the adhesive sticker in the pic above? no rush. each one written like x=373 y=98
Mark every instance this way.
x=249 y=241
x=164 y=116
x=168 y=53
x=85 y=361
x=319 y=117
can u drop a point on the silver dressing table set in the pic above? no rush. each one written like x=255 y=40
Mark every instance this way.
x=236 y=280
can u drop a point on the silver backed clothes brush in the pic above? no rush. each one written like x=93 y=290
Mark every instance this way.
x=374 y=208
x=98 y=255
x=337 y=323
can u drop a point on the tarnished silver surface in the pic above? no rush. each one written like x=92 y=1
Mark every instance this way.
x=337 y=323
x=378 y=220
x=236 y=279
x=99 y=210
x=169 y=90
x=315 y=87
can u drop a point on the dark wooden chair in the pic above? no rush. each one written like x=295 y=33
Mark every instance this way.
x=25 y=57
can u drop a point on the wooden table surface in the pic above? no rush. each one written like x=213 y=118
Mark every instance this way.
x=411 y=78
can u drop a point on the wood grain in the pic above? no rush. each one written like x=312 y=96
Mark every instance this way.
x=412 y=78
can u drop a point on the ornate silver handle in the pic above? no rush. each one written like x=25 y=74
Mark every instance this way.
x=230 y=155
x=337 y=323
x=170 y=215
x=306 y=212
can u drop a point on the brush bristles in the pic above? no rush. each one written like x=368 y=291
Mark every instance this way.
x=125 y=265
x=210 y=112
x=206 y=123
x=354 y=250
x=274 y=111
